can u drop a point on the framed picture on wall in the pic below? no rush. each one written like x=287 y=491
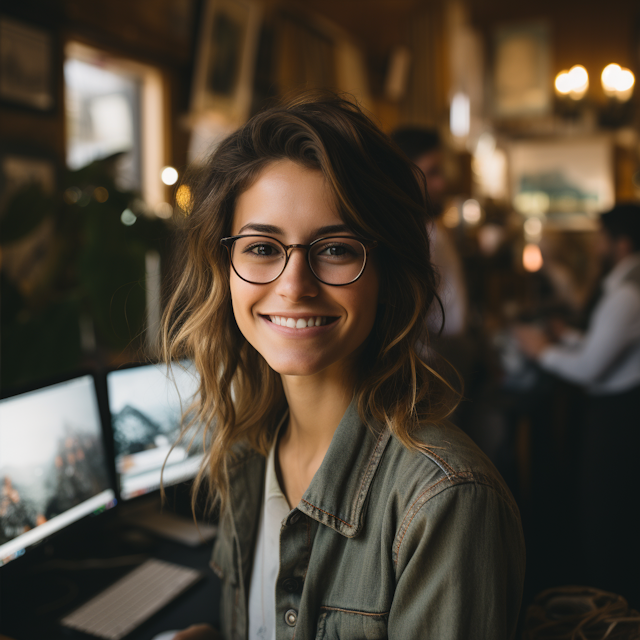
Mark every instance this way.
x=568 y=182
x=28 y=235
x=521 y=71
x=26 y=65
x=225 y=63
x=21 y=170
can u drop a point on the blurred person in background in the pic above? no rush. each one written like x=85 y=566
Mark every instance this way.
x=424 y=148
x=605 y=360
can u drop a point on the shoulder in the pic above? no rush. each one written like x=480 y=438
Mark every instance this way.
x=450 y=482
x=619 y=307
x=447 y=458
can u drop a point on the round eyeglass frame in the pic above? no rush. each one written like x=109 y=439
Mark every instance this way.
x=366 y=245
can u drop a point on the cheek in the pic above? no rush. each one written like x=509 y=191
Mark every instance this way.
x=242 y=299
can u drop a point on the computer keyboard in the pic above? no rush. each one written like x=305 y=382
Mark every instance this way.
x=126 y=604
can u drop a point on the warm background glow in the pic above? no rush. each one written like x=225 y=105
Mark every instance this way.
x=574 y=82
x=532 y=258
x=617 y=82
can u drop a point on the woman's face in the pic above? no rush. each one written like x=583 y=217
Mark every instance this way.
x=294 y=205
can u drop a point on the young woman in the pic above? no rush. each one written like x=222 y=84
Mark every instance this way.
x=350 y=508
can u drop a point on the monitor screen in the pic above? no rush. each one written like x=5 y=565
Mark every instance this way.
x=53 y=468
x=146 y=405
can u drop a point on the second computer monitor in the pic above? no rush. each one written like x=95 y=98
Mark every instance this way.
x=146 y=405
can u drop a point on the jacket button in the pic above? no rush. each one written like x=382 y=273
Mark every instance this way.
x=295 y=517
x=290 y=585
x=291 y=617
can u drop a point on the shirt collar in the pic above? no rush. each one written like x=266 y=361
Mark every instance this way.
x=338 y=492
x=620 y=271
x=272 y=486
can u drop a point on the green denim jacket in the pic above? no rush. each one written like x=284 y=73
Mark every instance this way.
x=385 y=543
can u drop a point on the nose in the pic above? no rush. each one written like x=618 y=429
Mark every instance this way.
x=297 y=281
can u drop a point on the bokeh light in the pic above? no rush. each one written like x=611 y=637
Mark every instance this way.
x=183 y=198
x=100 y=194
x=471 y=211
x=451 y=217
x=460 y=115
x=532 y=258
x=574 y=82
x=164 y=210
x=169 y=176
x=533 y=229
x=128 y=217
x=563 y=84
x=617 y=82
x=71 y=195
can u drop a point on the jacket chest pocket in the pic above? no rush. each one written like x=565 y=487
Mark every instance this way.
x=342 y=624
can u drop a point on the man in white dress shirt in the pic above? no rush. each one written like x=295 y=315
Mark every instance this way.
x=606 y=362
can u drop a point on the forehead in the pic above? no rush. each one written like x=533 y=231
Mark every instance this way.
x=289 y=196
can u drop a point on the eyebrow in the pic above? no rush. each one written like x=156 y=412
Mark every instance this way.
x=268 y=228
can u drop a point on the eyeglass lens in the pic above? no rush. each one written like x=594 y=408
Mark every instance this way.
x=259 y=259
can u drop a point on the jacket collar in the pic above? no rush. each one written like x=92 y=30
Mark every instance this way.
x=338 y=493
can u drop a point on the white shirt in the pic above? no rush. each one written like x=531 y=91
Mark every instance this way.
x=451 y=288
x=607 y=358
x=266 y=561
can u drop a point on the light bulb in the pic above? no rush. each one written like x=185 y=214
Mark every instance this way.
x=563 y=84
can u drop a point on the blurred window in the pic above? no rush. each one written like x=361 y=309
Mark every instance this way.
x=102 y=111
x=114 y=105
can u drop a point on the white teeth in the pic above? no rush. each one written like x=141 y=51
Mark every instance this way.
x=299 y=323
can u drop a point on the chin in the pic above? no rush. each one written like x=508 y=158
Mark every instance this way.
x=298 y=364
x=295 y=368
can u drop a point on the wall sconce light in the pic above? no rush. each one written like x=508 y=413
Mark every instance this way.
x=573 y=83
x=617 y=82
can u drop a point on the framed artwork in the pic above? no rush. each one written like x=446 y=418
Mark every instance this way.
x=522 y=84
x=27 y=228
x=567 y=181
x=225 y=63
x=19 y=170
x=26 y=65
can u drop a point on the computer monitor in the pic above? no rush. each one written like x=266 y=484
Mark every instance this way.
x=53 y=467
x=146 y=404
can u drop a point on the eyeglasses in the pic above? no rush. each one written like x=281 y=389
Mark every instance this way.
x=337 y=260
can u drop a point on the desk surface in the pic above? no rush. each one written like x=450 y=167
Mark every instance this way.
x=45 y=592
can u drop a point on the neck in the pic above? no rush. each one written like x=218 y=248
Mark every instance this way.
x=316 y=406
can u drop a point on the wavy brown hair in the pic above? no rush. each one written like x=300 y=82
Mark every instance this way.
x=380 y=196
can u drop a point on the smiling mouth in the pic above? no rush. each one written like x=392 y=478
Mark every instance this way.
x=301 y=323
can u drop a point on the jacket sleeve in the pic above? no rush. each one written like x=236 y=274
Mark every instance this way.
x=460 y=564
